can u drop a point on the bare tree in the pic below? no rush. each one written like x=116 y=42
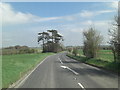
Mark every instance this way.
x=92 y=40
x=114 y=33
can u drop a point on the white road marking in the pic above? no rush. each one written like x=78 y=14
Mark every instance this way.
x=81 y=86
x=73 y=71
x=74 y=61
x=30 y=74
x=60 y=61
x=65 y=67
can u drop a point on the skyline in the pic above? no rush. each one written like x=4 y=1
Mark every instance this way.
x=69 y=18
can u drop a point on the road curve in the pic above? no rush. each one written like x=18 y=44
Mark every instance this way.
x=59 y=71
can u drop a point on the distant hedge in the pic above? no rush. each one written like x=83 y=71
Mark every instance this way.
x=17 y=50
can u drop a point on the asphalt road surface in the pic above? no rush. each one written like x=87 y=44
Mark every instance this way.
x=59 y=71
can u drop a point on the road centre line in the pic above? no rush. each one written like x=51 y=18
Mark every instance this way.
x=73 y=71
x=81 y=86
x=65 y=67
x=60 y=61
x=75 y=61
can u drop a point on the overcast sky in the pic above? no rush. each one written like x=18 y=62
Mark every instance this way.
x=21 y=21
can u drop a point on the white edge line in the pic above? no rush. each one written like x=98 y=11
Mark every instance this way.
x=73 y=71
x=81 y=86
x=60 y=61
x=30 y=73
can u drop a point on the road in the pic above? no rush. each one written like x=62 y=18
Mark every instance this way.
x=59 y=71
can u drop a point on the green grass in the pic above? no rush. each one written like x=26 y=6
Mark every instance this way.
x=105 y=59
x=15 y=66
x=106 y=55
x=80 y=52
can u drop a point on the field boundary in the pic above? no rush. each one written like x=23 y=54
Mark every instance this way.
x=27 y=74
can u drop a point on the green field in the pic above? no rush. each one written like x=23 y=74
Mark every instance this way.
x=105 y=55
x=105 y=59
x=15 y=66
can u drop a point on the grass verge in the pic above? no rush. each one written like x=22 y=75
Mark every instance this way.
x=112 y=66
x=15 y=66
